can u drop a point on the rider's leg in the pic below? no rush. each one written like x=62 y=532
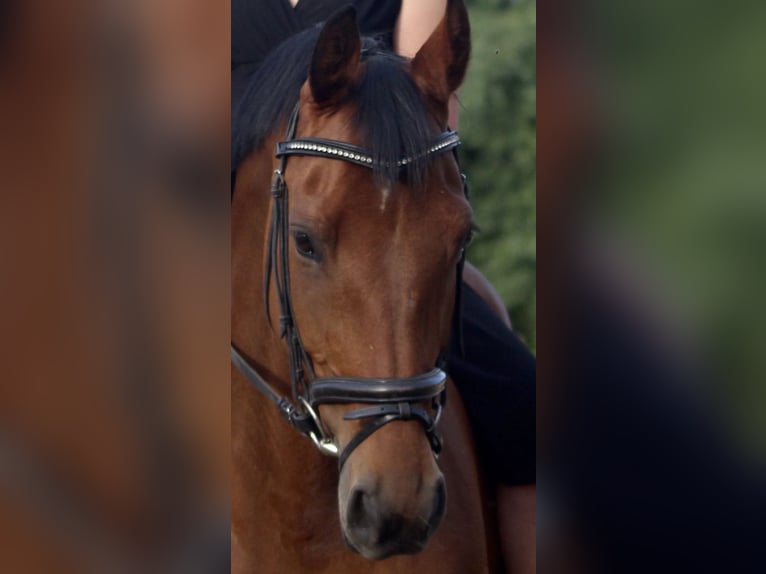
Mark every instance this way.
x=496 y=379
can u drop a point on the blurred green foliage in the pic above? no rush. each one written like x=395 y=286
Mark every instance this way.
x=684 y=176
x=498 y=127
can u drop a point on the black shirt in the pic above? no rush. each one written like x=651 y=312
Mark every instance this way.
x=259 y=26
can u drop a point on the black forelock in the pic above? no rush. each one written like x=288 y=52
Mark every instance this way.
x=271 y=93
x=391 y=115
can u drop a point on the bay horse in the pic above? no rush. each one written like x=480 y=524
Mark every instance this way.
x=347 y=250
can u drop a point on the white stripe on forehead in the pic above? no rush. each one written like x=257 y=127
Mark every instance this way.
x=386 y=193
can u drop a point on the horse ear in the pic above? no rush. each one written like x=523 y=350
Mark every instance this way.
x=440 y=65
x=335 y=63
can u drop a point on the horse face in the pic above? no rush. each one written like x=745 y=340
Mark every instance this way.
x=372 y=272
x=373 y=286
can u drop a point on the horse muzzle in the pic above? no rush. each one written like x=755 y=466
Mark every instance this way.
x=373 y=527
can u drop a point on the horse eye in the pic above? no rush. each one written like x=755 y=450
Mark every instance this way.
x=304 y=245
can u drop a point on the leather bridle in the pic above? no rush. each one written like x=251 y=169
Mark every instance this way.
x=389 y=399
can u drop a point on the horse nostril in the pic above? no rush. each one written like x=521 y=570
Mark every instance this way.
x=361 y=509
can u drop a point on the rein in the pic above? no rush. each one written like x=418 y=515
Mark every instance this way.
x=391 y=399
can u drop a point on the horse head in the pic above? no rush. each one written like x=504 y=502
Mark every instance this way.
x=371 y=256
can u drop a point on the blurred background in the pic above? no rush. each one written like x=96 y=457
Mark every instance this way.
x=651 y=228
x=498 y=125
x=114 y=286
x=683 y=179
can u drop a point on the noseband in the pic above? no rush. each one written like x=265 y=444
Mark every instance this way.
x=389 y=399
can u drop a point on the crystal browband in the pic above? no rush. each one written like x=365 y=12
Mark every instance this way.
x=355 y=154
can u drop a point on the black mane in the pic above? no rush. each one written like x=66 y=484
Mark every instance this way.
x=391 y=114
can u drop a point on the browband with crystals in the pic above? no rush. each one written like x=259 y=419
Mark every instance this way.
x=355 y=154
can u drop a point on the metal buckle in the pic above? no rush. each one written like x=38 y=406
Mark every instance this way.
x=277 y=184
x=287 y=409
x=326 y=446
x=324 y=443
